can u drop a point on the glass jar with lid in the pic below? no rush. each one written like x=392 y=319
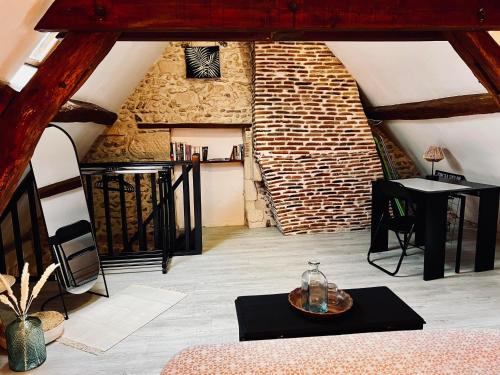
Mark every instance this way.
x=314 y=289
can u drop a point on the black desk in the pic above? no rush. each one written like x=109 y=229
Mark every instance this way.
x=431 y=198
x=374 y=310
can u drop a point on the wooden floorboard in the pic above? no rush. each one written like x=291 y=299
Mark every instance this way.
x=238 y=261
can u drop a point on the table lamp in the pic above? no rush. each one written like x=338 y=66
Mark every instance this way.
x=433 y=154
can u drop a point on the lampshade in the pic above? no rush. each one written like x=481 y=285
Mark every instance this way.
x=433 y=153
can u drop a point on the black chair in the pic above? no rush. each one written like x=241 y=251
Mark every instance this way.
x=456 y=206
x=396 y=195
x=73 y=248
x=76 y=252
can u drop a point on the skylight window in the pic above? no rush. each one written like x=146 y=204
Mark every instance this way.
x=22 y=76
x=43 y=49
x=37 y=56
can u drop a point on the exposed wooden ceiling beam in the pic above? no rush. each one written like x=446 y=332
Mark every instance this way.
x=464 y=105
x=202 y=17
x=227 y=36
x=72 y=111
x=78 y=111
x=482 y=54
x=6 y=95
x=28 y=113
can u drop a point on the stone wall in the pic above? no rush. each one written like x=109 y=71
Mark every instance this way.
x=165 y=95
x=312 y=139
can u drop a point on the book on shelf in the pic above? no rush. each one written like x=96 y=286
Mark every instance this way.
x=238 y=152
x=181 y=151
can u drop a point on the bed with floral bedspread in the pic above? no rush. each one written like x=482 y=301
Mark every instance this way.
x=406 y=352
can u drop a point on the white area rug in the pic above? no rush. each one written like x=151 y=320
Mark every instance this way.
x=102 y=324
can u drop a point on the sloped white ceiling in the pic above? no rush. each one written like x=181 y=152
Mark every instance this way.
x=400 y=72
x=471 y=144
x=119 y=73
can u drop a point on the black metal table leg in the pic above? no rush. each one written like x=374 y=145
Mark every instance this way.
x=458 y=256
x=379 y=240
x=420 y=224
x=486 y=230
x=436 y=206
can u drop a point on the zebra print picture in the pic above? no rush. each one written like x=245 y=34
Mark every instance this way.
x=202 y=62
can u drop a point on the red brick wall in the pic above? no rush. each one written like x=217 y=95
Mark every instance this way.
x=312 y=139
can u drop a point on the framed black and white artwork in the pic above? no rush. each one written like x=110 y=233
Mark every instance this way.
x=202 y=62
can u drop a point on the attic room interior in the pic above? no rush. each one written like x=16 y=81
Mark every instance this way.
x=271 y=187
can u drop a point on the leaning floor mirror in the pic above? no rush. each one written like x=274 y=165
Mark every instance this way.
x=65 y=211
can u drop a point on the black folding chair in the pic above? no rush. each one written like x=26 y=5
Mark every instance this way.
x=392 y=220
x=73 y=248
x=76 y=252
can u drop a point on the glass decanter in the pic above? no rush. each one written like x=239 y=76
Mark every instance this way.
x=314 y=289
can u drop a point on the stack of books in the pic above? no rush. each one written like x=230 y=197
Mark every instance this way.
x=180 y=151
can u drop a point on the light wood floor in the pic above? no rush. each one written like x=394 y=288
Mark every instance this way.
x=238 y=261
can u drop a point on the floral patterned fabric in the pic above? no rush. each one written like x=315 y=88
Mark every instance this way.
x=406 y=352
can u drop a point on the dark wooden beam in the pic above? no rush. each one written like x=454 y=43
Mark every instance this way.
x=228 y=36
x=72 y=111
x=78 y=111
x=60 y=187
x=28 y=113
x=163 y=125
x=6 y=95
x=482 y=54
x=465 y=105
x=202 y=17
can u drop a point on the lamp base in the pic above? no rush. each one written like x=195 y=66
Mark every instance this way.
x=432 y=177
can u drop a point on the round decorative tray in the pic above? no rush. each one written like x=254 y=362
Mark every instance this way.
x=295 y=299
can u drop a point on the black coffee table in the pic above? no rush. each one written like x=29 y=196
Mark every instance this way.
x=375 y=309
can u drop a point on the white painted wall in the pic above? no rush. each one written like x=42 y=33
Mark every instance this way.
x=222 y=185
x=83 y=134
x=392 y=73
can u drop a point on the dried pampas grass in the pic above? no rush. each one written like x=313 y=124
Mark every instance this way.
x=7 y=287
x=21 y=309
x=39 y=285
x=25 y=287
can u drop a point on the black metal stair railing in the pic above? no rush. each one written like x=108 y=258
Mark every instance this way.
x=23 y=212
x=129 y=238
x=21 y=226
